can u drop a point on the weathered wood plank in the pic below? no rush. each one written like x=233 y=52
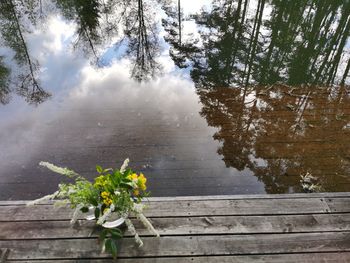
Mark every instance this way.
x=338 y=204
x=343 y=257
x=186 y=226
x=186 y=208
x=218 y=197
x=238 y=207
x=183 y=246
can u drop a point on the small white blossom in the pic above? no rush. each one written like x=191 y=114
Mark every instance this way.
x=44 y=198
x=147 y=224
x=104 y=217
x=133 y=232
x=76 y=214
x=59 y=170
x=125 y=165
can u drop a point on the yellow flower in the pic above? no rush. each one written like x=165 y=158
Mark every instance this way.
x=142 y=182
x=105 y=194
x=107 y=201
x=132 y=176
x=136 y=192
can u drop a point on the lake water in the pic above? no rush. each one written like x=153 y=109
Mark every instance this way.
x=205 y=97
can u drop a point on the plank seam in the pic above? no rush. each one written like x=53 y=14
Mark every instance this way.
x=187 y=216
x=186 y=235
x=181 y=235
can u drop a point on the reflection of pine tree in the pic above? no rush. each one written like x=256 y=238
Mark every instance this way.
x=99 y=21
x=4 y=83
x=86 y=14
x=12 y=32
x=301 y=42
x=291 y=132
x=223 y=44
x=225 y=109
x=143 y=46
x=179 y=49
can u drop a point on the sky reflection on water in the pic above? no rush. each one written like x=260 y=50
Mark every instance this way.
x=230 y=111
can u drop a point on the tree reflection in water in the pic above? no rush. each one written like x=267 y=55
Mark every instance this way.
x=279 y=132
x=12 y=31
x=98 y=23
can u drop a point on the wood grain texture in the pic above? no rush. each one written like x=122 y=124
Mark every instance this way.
x=183 y=246
x=186 y=226
x=184 y=208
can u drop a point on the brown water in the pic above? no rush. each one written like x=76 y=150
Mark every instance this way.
x=237 y=98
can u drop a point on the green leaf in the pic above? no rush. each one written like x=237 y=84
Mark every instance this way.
x=116 y=233
x=97 y=212
x=111 y=247
x=128 y=172
x=84 y=209
x=108 y=244
x=103 y=234
x=107 y=170
x=93 y=201
x=99 y=169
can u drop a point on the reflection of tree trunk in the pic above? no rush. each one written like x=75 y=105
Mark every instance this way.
x=266 y=64
x=346 y=72
x=259 y=12
x=36 y=86
x=333 y=43
x=335 y=62
x=179 y=17
x=87 y=35
x=323 y=38
x=41 y=7
x=312 y=39
x=231 y=59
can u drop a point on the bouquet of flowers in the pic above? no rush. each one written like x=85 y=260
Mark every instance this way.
x=114 y=192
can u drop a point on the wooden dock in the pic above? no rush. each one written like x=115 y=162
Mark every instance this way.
x=249 y=228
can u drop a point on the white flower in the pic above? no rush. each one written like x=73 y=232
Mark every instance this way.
x=44 y=198
x=147 y=224
x=59 y=170
x=138 y=208
x=76 y=214
x=125 y=165
x=104 y=217
x=133 y=232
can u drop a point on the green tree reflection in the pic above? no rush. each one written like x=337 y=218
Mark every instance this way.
x=12 y=35
x=277 y=131
x=293 y=42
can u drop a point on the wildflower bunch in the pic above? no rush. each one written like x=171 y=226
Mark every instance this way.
x=113 y=191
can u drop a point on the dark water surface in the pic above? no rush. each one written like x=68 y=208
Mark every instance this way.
x=217 y=97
